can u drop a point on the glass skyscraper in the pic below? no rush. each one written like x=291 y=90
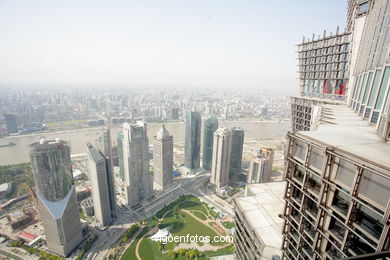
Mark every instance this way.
x=192 y=140
x=56 y=195
x=210 y=126
x=236 y=155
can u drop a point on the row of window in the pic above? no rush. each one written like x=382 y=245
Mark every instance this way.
x=373 y=187
x=340 y=39
x=323 y=67
x=325 y=51
x=323 y=59
x=371 y=92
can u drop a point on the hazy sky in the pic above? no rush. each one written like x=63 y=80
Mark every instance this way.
x=206 y=43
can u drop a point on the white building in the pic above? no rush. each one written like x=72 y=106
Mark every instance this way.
x=163 y=160
x=221 y=158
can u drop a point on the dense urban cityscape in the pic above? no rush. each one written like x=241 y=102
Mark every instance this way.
x=114 y=172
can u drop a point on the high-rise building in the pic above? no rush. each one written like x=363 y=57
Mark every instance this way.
x=221 y=158
x=237 y=147
x=163 y=160
x=192 y=140
x=338 y=171
x=104 y=146
x=210 y=126
x=175 y=113
x=55 y=194
x=120 y=137
x=10 y=122
x=138 y=179
x=99 y=168
x=260 y=168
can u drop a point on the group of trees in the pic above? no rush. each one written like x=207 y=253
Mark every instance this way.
x=32 y=250
x=87 y=247
x=129 y=233
x=19 y=175
x=188 y=253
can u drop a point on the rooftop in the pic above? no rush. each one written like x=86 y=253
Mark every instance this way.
x=343 y=129
x=261 y=208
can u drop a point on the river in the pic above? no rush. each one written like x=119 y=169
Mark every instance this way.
x=79 y=138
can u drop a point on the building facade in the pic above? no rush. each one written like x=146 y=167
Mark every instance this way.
x=192 y=140
x=55 y=195
x=258 y=225
x=99 y=168
x=237 y=147
x=163 y=160
x=119 y=139
x=138 y=179
x=338 y=171
x=222 y=150
x=210 y=126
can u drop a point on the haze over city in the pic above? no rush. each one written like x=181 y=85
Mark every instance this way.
x=218 y=44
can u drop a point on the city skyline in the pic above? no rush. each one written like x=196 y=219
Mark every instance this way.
x=169 y=121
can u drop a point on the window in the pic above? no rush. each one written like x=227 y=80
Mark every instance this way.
x=300 y=150
x=299 y=172
x=316 y=158
x=341 y=202
x=361 y=88
x=355 y=89
x=375 y=86
x=336 y=228
x=369 y=221
x=383 y=88
x=345 y=172
x=313 y=182
x=375 y=188
x=358 y=246
x=367 y=88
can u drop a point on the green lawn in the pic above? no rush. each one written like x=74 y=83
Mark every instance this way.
x=192 y=205
x=200 y=215
x=130 y=251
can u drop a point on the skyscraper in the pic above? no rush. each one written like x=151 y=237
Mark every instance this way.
x=55 y=194
x=192 y=140
x=138 y=180
x=10 y=121
x=163 y=160
x=104 y=146
x=260 y=168
x=338 y=171
x=120 y=137
x=221 y=158
x=237 y=147
x=210 y=126
x=99 y=168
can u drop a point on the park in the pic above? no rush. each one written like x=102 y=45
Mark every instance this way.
x=188 y=215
